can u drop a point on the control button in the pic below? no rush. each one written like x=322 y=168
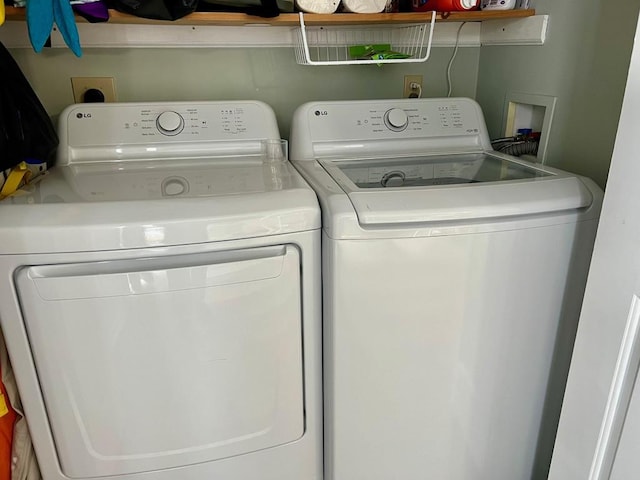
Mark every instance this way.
x=396 y=119
x=170 y=123
x=172 y=186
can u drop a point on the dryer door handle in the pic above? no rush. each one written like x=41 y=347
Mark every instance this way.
x=156 y=275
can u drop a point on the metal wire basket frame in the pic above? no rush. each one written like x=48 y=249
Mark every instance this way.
x=330 y=45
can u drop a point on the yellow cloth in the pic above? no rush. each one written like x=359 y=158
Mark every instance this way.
x=20 y=174
x=1 y=12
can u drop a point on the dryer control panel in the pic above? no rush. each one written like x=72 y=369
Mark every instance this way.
x=99 y=132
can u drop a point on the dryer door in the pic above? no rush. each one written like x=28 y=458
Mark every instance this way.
x=156 y=363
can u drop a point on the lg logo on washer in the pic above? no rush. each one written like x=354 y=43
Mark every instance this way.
x=321 y=113
x=83 y=115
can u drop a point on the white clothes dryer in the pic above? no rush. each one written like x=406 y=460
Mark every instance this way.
x=160 y=298
x=452 y=281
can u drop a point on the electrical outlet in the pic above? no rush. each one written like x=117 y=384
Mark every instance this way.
x=104 y=85
x=412 y=86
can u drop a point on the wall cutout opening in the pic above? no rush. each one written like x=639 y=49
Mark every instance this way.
x=531 y=114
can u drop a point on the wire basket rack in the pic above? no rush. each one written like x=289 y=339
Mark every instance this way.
x=330 y=45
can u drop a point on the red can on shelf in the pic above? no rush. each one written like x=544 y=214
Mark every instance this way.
x=444 y=5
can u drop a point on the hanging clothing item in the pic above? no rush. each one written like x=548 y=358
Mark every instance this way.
x=41 y=14
x=157 y=9
x=1 y=13
x=26 y=131
x=23 y=459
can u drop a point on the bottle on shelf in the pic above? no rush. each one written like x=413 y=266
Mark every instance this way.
x=444 y=5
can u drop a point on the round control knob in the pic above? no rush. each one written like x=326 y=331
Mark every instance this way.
x=174 y=186
x=396 y=120
x=170 y=123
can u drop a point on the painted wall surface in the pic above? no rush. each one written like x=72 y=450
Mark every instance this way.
x=267 y=74
x=584 y=64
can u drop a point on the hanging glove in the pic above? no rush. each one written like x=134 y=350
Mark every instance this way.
x=40 y=22
x=66 y=21
x=40 y=17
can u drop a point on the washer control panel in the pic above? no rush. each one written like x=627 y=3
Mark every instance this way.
x=398 y=119
x=356 y=129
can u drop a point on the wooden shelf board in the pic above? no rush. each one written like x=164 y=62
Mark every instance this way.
x=291 y=19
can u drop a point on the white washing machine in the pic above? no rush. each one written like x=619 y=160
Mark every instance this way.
x=452 y=281
x=160 y=299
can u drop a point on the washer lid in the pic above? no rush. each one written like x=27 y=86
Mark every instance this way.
x=118 y=206
x=453 y=187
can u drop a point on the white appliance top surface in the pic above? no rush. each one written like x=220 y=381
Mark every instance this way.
x=120 y=182
x=391 y=163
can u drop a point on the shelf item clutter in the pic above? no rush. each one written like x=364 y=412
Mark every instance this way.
x=292 y=19
x=498 y=4
x=318 y=6
x=444 y=5
x=389 y=27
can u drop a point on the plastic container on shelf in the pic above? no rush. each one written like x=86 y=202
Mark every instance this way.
x=498 y=4
x=444 y=5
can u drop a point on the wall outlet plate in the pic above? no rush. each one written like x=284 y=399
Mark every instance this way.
x=412 y=86
x=106 y=85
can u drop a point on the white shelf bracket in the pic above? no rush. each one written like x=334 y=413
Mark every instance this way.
x=521 y=31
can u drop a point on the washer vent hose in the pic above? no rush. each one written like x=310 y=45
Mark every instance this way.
x=525 y=143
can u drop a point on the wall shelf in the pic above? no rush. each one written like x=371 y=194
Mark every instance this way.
x=291 y=19
x=228 y=30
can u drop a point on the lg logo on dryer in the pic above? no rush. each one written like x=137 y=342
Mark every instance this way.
x=321 y=113
x=83 y=115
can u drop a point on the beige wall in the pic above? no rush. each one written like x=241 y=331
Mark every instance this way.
x=584 y=64
x=268 y=74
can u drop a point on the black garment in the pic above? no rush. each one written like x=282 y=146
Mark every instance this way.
x=26 y=131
